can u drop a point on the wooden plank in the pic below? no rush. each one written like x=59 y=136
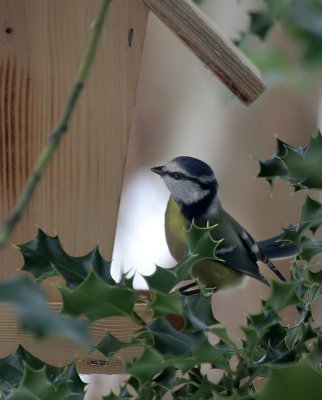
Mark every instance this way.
x=41 y=45
x=60 y=351
x=203 y=37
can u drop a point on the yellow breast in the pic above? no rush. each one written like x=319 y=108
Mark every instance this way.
x=209 y=272
x=175 y=225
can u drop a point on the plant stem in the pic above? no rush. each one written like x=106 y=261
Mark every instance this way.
x=138 y=319
x=60 y=129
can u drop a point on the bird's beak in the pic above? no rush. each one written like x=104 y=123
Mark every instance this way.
x=158 y=170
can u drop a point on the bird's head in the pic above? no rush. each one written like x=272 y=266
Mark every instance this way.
x=189 y=180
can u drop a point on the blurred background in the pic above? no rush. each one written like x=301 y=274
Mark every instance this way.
x=182 y=109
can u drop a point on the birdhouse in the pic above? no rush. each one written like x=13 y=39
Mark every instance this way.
x=41 y=45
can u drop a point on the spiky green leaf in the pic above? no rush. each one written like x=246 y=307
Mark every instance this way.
x=200 y=246
x=301 y=167
x=36 y=386
x=97 y=299
x=109 y=345
x=171 y=342
x=198 y=311
x=283 y=295
x=44 y=257
x=292 y=381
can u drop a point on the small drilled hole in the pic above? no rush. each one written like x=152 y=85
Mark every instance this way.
x=9 y=30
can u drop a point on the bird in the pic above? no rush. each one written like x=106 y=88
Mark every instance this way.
x=194 y=198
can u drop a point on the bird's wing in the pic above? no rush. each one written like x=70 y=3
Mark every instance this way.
x=237 y=250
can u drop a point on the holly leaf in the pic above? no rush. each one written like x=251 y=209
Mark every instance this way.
x=200 y=246
x=44 y=257
x=12 y=367
x=162 y=280
x=30 y=303
x=109 y=345
x=310 y=248
x=198 y=312
x=311 y=219
x=292 y=381
x=301 y=167
x=164 y=304
x=264 y=319
x=274 y=168
x=171 y=342
x=283 y=294
x=252 y=339
x=13 y=374
x=97 y=299
x=36 y=385
x=147 y=365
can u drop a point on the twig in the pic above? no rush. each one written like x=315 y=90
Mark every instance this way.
x=61 y=128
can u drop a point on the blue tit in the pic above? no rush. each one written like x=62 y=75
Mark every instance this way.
x=194 y=189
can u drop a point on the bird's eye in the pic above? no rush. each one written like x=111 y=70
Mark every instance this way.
x=177 y=176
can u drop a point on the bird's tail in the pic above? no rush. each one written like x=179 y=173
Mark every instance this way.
x=277 y=249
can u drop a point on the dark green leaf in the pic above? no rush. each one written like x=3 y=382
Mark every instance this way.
x=200 y=246
x=167 y=378
x=12 y=367
x=316 y=355
x=207 y=353
x=145 y=367
x=162 y=280
x=109 y=345
x=170 y=342
x=294 y=381
x=198 y=311
x=252 y=338
x=97 y=299
x=264 y=319
x=29 y=302
x=283 y=295
x=234 y=396
x=301 y=167
x=36 y=386
x=273 y=168
x=44 y=256
x=310 y=248
x=164 y=304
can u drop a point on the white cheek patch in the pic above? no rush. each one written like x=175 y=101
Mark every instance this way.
x=185 y=191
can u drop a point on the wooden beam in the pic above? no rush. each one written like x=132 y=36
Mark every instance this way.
x=202 y=36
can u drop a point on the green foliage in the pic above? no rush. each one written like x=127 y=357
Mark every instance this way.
x=300 y=19
x=44 y=257
x=23 y=376
x=301 y=167
x=289 y=358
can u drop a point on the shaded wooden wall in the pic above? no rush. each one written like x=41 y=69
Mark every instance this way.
x=41 y=45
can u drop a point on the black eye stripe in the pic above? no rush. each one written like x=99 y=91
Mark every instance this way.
x=183 y=177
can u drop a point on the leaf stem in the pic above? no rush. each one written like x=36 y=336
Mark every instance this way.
x=139 y=319
x=58 y=132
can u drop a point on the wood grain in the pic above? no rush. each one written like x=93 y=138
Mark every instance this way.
x=60 y=351
x=41 y=45
x=199 y=33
